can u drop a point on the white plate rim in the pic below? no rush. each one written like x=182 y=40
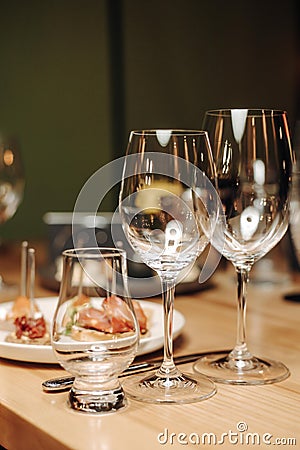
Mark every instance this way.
x=44 y=354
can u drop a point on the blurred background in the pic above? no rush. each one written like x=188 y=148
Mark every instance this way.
x=77 y=75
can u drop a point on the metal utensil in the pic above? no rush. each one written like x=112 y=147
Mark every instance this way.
x=62 y=384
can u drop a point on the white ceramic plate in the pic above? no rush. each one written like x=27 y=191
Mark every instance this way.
x=44 y=353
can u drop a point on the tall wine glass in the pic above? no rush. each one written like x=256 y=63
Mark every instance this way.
x=11 y=191
x=167 y=210
x=254 y=159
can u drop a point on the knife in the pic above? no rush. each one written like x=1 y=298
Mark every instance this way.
x=62 y=384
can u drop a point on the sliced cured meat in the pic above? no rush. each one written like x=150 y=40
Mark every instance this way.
x=94 y=318
x=113 y=317
x=141 y=316
x=80 y=300
x=118 y=313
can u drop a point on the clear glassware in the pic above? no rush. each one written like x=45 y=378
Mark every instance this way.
x=295 y=213
x=254 y=160
x=95 y=332
x=294 y=228
x=168 y=207
x=12 y=183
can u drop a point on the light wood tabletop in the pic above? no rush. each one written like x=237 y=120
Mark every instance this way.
x=250 y=416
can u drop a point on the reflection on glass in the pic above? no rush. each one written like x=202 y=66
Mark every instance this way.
x=254 y=167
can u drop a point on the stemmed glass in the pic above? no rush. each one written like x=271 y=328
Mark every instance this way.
x=11 y=190
x=95 y=332
x=253 y=159
x=168 y=208
x=295 y=214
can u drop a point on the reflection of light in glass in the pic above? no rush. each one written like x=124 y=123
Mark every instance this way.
x=149 y=168
x=173 y=234
x=260 y=203
x=238 y=118
x=227 y=157
x=149 y=165
x=163 y=137
x=8 y=157
x=249 y=222
x=259 y=172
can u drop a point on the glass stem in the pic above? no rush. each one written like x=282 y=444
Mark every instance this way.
x=168 y=368
x=240 y=355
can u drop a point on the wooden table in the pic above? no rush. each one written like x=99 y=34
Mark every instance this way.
x=32 y=419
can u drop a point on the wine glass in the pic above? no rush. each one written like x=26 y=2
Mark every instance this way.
x=254 y=160
x=11 y=191
x=167 y=207
x=295 y=200
x=95 y=332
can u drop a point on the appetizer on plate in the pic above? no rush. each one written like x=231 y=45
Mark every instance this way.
x=25 y=319
x=30 y=330
x=88 y=317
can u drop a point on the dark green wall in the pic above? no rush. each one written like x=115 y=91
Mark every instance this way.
x=54 y=94
x=76 y=76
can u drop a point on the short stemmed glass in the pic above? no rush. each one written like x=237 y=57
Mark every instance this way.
x=95 y=332
x=167 y=207
x=254 y=160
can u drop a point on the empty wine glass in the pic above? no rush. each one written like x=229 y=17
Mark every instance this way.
x=295 y=214
x=11 y=192
x=95 y=332
x=254 y=159
x=168 y=207
x=294 y=228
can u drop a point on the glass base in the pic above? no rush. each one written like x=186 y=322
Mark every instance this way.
x=185 y=388
x=95 y=402
x=254 y=371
